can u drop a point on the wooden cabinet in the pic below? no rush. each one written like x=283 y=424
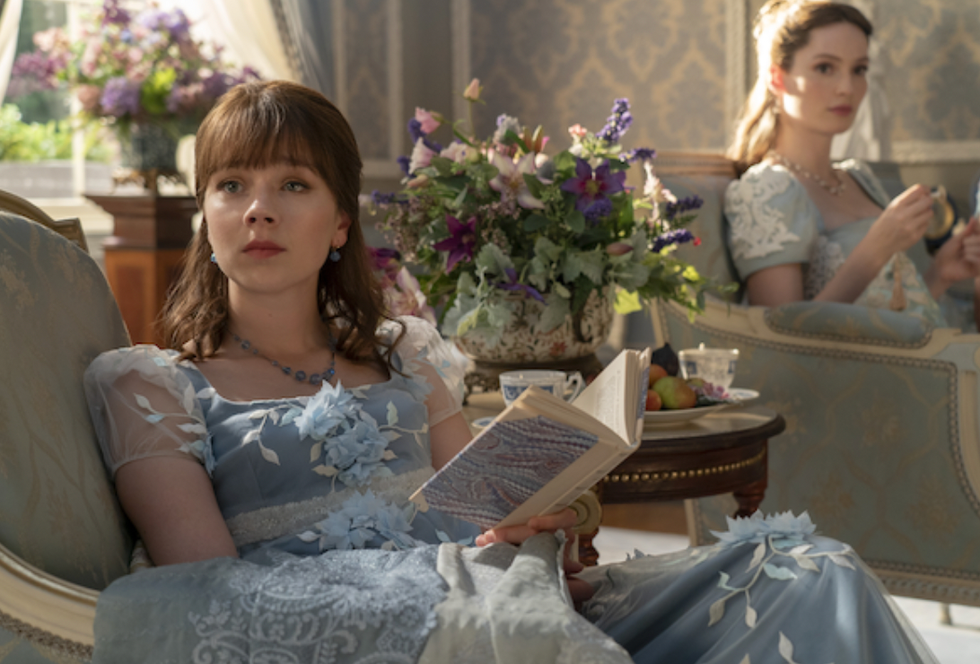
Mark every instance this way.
x=143 y=255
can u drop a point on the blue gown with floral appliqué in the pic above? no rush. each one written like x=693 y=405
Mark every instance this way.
x=336 y=565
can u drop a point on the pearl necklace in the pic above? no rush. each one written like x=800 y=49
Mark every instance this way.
x=835 y=190
x=299 y=375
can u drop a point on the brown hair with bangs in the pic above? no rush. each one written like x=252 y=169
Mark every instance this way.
x=781 y=29
x=256 y=125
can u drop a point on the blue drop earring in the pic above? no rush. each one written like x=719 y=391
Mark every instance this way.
x=335 y=255
x=214 y=259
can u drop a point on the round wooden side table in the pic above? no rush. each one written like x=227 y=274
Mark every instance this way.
x=722 y=452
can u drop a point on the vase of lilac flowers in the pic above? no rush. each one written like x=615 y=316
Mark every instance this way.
x=526 y=253
x=143 y=75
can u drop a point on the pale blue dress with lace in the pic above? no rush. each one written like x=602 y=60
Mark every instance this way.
x=773 y=221
x=336 y=566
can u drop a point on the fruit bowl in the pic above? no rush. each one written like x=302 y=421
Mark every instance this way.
x=736 y=397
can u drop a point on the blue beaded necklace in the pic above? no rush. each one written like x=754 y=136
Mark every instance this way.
x=299 y=375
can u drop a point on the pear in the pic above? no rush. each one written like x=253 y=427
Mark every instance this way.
x=675 y=393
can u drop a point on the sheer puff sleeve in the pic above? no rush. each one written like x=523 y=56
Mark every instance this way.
x=143 y=405
x=434 y=365
x=771 y=219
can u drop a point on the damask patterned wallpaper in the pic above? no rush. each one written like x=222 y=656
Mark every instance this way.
x=561 y=62
x=931 y=58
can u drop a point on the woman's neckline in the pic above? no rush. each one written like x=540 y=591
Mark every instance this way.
x=392 y=376
x=821 y=224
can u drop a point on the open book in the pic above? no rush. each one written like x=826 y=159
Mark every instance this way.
x=541 y=453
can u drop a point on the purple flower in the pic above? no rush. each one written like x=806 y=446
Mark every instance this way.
x=601 y=207
x=512 y=285
x=120 y=97
x=384 y=258
x=591 y=187
x=641 y=154
x=178 y=24
x=460 y=243
x=415 y=131
x=678 y=236
x=381 y=198
x=216 y=85
x=683 y=205
x=618 y=123
x=151 y=19
x=112 y=13
x=32 y=72
x=403 y=163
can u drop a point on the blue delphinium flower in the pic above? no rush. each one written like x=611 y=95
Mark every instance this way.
x=678 y=236
x=618 y=123
x=600 y=208
x=641 y=154
x=415 y=131
x=683 y=205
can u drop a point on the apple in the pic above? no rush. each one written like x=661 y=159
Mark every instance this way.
x=656 y=373
x=675 y=393
x=654 y=402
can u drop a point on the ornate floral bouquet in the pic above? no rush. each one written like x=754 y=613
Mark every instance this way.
x=492 y=218
x=132 y=68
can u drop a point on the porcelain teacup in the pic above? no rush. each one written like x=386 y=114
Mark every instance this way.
x=566 y=386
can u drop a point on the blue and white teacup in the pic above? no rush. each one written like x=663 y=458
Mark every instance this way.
x=566 y=386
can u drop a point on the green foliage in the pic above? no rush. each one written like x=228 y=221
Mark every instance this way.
x=35 y=141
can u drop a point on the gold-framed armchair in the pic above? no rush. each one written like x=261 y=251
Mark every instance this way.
x=882 y=443
x=63 y=537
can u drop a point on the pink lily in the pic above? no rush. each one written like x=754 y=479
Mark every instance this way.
x=510 y=179
x=427 y=120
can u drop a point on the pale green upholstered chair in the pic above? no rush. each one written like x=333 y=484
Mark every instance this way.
x=62 y=535
x=881 y=442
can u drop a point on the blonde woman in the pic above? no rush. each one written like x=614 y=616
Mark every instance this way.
x=802 y=227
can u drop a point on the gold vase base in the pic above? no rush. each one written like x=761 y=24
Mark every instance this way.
x=147 y=178
x=485 y=376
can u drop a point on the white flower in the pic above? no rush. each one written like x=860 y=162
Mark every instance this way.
x=421 y=156
x=456 y=151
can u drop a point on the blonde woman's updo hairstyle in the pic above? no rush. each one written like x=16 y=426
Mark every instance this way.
x=781 y=29
x=261 y=124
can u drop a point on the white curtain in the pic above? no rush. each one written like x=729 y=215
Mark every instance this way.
x=9 y=24
x=246 y=28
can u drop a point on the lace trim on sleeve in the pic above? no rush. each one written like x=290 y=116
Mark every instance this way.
x=143 y=406
x=757 y=228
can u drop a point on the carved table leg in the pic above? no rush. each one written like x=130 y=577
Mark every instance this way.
x=587 y=554
x=748 y=498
